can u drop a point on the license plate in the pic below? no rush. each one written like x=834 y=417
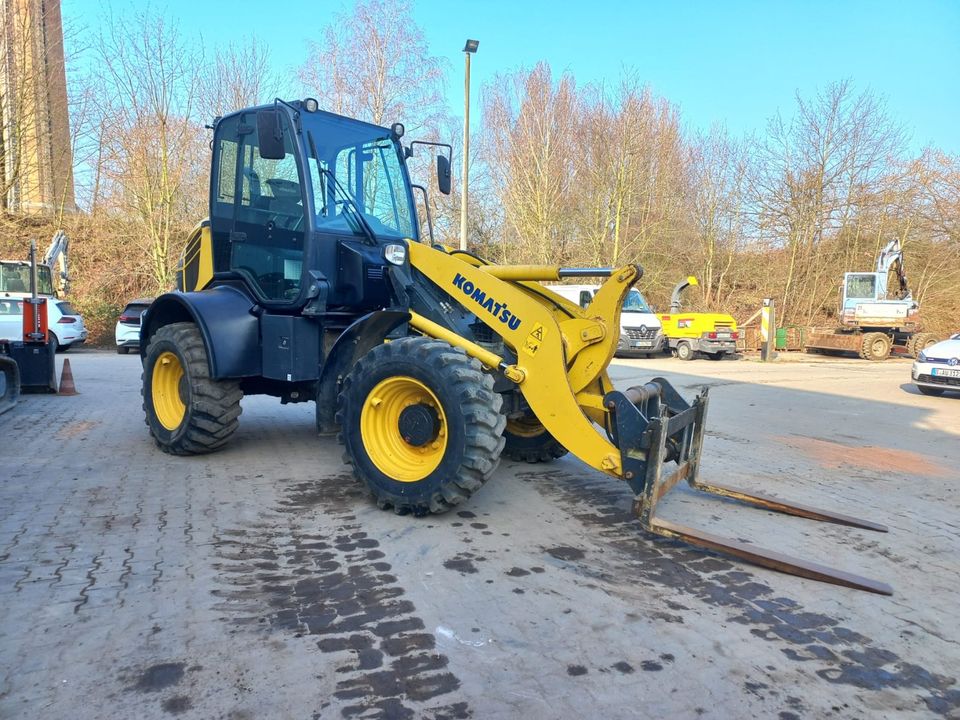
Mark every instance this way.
x=643 y=343
x=723 y=337
x=940 y=372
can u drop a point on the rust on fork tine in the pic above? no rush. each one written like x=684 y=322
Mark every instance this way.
x=768 y=558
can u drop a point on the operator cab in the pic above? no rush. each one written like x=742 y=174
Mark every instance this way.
x=15 y=279
x=308 y=206
x=859 y=287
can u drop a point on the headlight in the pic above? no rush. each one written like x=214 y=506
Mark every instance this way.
x=395 y=254
x=921 y=357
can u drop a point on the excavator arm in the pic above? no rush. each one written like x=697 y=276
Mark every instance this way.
x=891 y=259
x=57 y=255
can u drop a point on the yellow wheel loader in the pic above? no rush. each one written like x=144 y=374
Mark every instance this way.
x=310 y=282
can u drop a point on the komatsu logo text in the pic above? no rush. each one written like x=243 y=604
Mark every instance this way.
x=498 y=310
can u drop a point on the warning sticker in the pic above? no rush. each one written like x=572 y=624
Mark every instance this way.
x=532 y=343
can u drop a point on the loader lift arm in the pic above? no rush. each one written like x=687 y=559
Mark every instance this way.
x=561 y=355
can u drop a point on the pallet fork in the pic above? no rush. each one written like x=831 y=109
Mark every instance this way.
x=654 y=425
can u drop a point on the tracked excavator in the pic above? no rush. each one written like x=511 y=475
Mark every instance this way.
x=310 y=281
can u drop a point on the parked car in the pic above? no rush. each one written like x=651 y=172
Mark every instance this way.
x=11 y=318
x=64 y=324
x=640 y=332
x=128 y=325
x=937 y=367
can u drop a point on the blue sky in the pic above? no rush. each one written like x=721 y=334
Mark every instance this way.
x=735 y=62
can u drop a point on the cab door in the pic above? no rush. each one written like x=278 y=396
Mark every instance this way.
x=257 y=215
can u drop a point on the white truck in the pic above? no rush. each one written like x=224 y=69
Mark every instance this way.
x=640 y=330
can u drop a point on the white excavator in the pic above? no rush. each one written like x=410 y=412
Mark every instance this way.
x=874 y=316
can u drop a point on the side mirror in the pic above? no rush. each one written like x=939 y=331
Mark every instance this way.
x=443 y=174
x=270 y=135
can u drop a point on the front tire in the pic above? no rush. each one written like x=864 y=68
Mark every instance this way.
x=187 y=412
x=875 y=346
x=421 y=424
x=935 y=392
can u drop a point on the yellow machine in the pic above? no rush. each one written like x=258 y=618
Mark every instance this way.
x=310 y=282
x=689 y=334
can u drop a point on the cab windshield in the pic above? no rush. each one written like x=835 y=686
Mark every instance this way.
x=862 y=287
x=15 y=278
x=358 y=168
x=635 y=302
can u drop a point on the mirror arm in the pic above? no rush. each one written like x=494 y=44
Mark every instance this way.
x=426 y=208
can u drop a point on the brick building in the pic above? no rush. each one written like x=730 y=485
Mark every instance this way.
x=36 y=162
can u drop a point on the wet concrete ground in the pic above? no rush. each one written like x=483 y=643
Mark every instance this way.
x=261 y=583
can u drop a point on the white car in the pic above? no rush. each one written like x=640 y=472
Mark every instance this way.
x=64 y=324
x=937 y=367
x=11 y=318
x=128 y=325
x=640 y=331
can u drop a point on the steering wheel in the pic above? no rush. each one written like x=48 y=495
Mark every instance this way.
x=288 y=289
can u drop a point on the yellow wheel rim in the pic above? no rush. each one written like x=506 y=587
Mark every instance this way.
x=526 y=427
x=380 y=429
x=165 y=391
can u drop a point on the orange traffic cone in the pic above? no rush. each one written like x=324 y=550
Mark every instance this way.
x=66 y=380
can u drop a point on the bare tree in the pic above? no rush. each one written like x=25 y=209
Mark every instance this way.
x=717 y=183
x=531 y=121
x=374 y=64
x=814 y=173
x=154 y=156
x=238 y=76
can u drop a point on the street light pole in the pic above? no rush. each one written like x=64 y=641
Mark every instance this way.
x=468 y=49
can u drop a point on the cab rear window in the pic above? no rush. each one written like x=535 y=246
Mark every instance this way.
x=134 y=310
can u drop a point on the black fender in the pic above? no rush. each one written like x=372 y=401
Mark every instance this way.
x=227 y=321
x=359 y=338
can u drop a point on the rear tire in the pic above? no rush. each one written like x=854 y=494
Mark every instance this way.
x=186 y=411
x=527 y=440
x=935 y=392
x=53 y=342
x=421 y=425
x=875 y=346
x=685 y=351
x=122 y=350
